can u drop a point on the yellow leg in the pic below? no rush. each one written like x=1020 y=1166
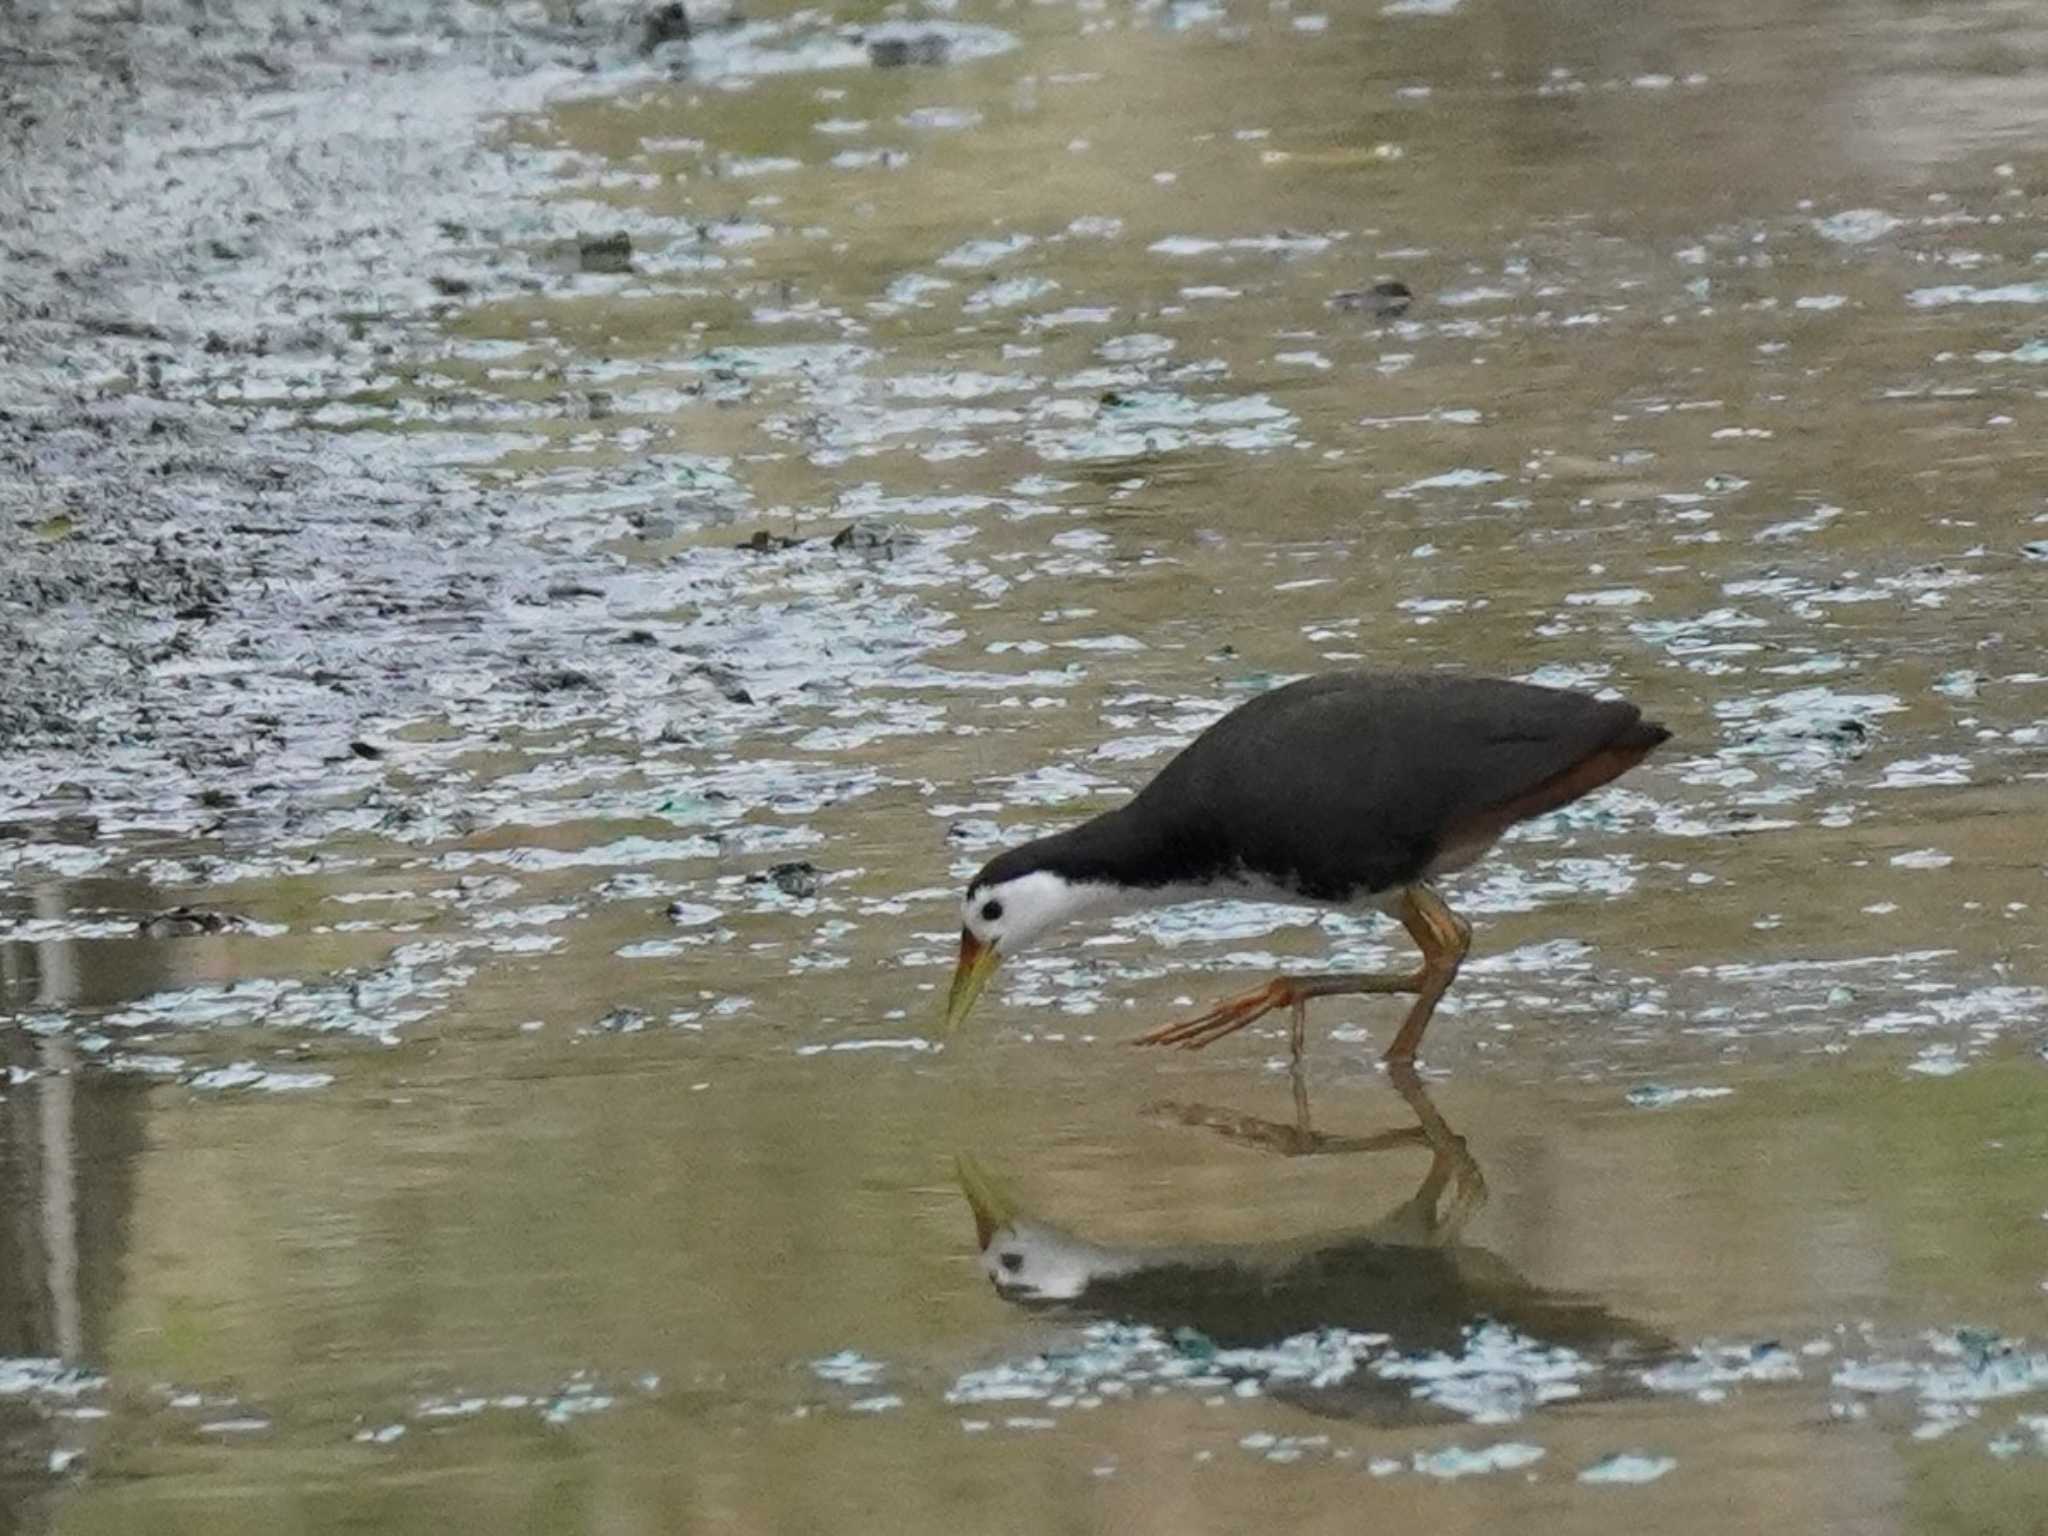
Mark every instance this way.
x=1444 y=938
x=1440 y=933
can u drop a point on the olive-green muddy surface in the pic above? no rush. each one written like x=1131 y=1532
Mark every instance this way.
x=544 y=1126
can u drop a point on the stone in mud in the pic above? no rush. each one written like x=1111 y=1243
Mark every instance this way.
x=730 y=685
x=186 y=922
x=1982 y=1346
x=605 y=253
x=895 y=52
x=2038 y=550
x=1388 y=300
x=556 y=680
x=798 y=878
x=867 y=537
x=664 y=24
x=121 y=327
x=765 y=543
x=1848 y=737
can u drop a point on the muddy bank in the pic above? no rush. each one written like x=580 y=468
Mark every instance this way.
x=194 y=591
x=229 y=238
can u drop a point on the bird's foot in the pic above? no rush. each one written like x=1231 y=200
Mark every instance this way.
x=1226 y=1018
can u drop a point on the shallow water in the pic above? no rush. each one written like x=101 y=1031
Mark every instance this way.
x=524 y=1153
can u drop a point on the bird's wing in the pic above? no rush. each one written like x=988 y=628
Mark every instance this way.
x=1352 y=783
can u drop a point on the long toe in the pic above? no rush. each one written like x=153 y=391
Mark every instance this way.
x=1225 y=1018
x=1165 y=1034
x=1215 y=1029
x=1179 y=1031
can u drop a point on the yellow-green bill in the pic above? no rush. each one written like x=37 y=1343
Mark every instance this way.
x=977 y=963
x=992 y=1205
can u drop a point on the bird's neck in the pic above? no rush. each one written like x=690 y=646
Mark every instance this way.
x=1108 y=865
x=1146 y=845
x=1096 y=859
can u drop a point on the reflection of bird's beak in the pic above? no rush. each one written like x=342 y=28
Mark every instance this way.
x=978 y=962
x=993 y=1209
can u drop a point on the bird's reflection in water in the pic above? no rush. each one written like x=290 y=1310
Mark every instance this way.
x=1432 y=1308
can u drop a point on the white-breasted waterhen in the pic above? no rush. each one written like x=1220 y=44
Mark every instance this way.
x=1344 y=790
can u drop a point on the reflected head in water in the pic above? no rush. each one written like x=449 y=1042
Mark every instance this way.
x=1347 y=790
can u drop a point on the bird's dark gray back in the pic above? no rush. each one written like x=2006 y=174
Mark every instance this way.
x=1346 y=784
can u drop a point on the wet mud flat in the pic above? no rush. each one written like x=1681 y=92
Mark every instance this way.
x=539 y=553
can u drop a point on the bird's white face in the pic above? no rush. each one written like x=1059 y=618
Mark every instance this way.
x=1012 y=914
x=1029 y=1262
x=998 y=918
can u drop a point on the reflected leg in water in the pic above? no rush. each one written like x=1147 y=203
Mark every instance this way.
x=1299 y=1139
x=1452 y=1165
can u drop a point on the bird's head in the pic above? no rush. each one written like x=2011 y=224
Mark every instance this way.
x=1006 y=909
x=1028 y=1261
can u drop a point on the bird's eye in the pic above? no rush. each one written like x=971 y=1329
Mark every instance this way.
x=991 y=911
x=1012 y=1262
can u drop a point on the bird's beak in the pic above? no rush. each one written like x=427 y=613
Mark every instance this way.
x=978 y=962
x=993 y=1209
